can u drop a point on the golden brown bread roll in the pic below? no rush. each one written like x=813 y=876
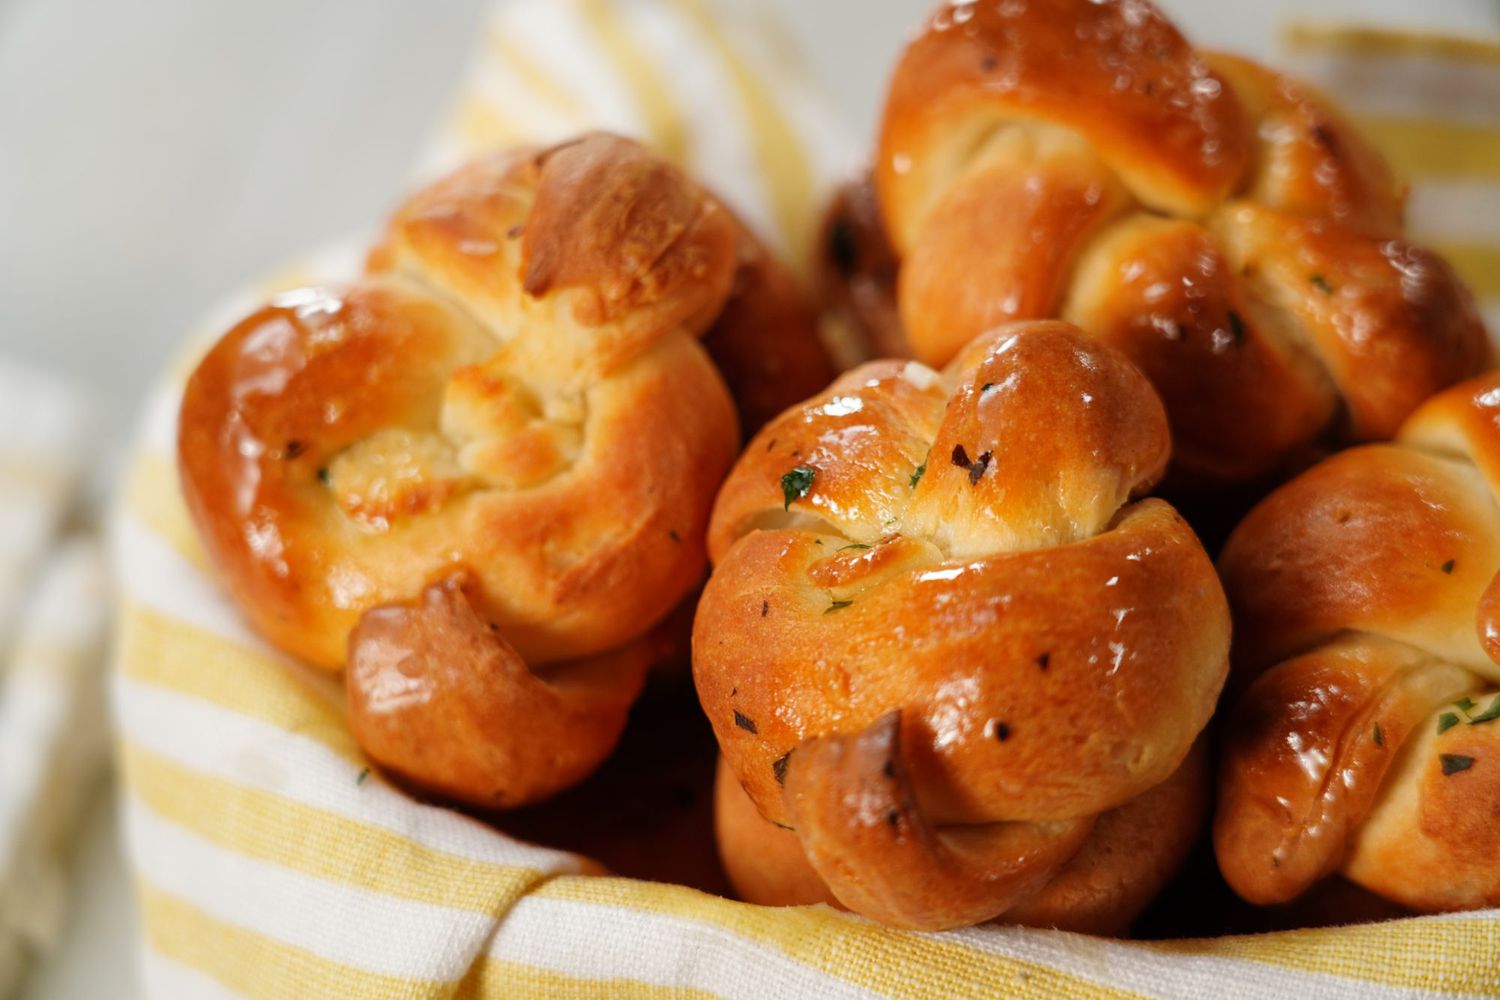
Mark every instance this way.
x=1368 y=633
x=483 y=472
x=1130 y=854
x=939 y=640
x=1222 y=225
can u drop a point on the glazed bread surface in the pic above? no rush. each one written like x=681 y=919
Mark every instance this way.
x=1222 y=225
x=481 y=474
x=1366 y=741
x=940 y=640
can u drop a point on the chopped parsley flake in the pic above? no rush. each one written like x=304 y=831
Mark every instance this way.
x=1448 y=720
x=1448 y=566
x=835 y=606
x=1321 y=284
x=1455 y=762
x=916 y=477
x=975 y=468
x=795 y=484
x=1378 y=736
x=745 y=722
x=1488 y=715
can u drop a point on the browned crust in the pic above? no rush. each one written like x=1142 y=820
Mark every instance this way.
x=438 y=698
x=1362 y=593
x=1163 y=293
x=1223 y=225
x=1174 y=131
x=1012 y=231
x=1129 y=855
x=515 y=395
x=1309 y=158
x=765 y=339
x=951 y=599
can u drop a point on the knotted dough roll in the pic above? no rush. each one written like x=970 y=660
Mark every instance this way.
x=940 y=640
x=1222 y=225
x=482 y=473
x=1367 y=617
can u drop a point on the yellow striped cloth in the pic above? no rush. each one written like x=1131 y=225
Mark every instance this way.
x=54 y=615
x=269 y=861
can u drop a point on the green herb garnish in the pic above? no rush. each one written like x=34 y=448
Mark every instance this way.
x=674 y=536
x=795 y=484
x=1465 y=705
x=359 y=779
x=1321 y=284
x=1446 y=721
x=745 y=722
x=916 y=477
x=1448 y=566
x=1488 y=715
x=857 y=546
x=835 y=606
x=1455 y=762
x=778 y=767
x=1378 y=736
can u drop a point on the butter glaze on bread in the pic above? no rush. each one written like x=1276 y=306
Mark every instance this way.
x=482 y=473
x=1368 y=651
x=940 y=640
x=1131 y=852
x=1222 y=225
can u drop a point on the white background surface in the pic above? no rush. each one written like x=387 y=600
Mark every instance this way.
x=153 y=155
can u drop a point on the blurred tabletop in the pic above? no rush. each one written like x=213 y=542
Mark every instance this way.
x=156 y=153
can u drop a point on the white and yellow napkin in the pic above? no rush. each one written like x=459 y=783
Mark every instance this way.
x=53 y=618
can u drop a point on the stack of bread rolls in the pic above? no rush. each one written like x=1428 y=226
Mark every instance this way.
x=960 y=664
